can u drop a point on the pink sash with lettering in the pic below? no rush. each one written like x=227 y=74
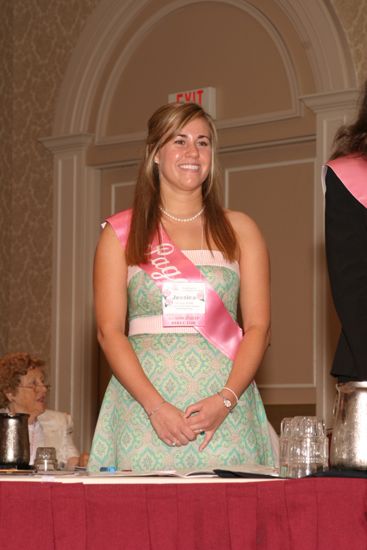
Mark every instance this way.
x=168 y=263
x=352 y=171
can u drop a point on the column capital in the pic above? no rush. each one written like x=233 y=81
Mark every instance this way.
x=339 y=100
x=72 y=142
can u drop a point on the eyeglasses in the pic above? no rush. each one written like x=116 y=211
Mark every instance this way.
x=35 y=386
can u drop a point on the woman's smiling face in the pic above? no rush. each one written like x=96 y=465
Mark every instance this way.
x=185 y=160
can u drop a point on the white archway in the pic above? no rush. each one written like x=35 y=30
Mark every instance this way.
x=324 y=41
x=77 y=185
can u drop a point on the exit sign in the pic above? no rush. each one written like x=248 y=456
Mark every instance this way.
x=205 y=97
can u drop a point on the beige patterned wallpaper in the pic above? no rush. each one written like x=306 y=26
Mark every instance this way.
x=41 y=35
x=37 y=39
x=6 y=71
x=353 y=17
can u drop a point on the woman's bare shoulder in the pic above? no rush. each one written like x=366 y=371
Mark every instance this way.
x=110 y=253
x=249 y=237
x=109 y=239
x=243 y=225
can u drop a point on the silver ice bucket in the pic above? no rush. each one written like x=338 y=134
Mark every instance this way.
x=14 y=440
x=348 y=448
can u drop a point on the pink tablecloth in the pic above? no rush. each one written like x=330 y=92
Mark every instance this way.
x=306 y=514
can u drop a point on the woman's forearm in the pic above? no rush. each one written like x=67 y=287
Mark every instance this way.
x=248 y=359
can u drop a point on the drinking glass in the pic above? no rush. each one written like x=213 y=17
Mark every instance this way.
x=303 y=446
x=284 y=440
x=45 y=460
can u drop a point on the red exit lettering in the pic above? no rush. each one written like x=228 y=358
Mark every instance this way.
x=194 y=96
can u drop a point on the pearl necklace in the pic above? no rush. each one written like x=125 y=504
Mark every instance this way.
x=182 y=220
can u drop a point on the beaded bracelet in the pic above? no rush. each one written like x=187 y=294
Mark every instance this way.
x=156 y=409
x=235 y=395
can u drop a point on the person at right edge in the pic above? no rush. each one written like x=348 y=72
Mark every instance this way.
x=346 y=244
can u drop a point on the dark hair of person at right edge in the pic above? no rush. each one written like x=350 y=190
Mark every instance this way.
x=352 y=138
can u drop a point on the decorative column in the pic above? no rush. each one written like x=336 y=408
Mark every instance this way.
x=75 y=233
x=332 y=110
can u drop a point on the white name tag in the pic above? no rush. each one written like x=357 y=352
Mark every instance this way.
x=183 y=304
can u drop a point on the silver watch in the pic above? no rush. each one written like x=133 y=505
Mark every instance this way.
x=226 y=402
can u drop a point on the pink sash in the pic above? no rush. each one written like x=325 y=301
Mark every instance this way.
x=352 y=171
x=168 y=263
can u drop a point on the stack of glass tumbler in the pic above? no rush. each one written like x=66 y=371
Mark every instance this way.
x=304 y=448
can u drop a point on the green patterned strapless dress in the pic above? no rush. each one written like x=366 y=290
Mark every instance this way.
x=185 y=368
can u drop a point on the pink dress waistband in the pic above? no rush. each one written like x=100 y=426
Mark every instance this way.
x=153 y=324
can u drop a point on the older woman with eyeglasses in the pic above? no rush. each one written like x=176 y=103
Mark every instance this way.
x=23 y=389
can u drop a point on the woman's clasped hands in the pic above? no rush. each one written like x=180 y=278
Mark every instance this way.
x=177 y=428
x=206 y=416
x=171 y=426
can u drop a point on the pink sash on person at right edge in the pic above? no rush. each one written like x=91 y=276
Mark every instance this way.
x=352 y=171
x=168 y=263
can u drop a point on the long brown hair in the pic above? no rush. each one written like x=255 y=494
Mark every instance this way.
x=165 y=123
x=352 y=138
